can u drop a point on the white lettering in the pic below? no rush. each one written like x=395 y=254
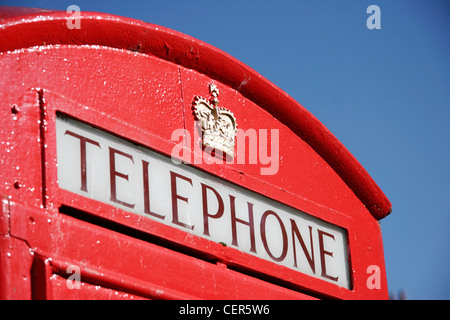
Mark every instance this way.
x=74 y=21
x=181 y=153
x=196 y=310
x=374 y=280
x=247 y=151
x=374 y=21
x=74 y=280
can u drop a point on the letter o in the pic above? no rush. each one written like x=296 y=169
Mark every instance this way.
x=264 y=239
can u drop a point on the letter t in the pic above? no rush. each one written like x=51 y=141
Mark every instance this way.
x=83 y=141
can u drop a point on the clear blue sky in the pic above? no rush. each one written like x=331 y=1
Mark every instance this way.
x=384 y=93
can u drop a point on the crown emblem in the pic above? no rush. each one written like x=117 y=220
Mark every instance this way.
x=218 y=124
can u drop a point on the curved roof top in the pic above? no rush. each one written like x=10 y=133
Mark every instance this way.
x=27 y=27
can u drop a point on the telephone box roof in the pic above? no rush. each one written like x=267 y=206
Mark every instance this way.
x=28 y=27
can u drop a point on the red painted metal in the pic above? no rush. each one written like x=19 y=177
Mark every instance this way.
x=137 y=80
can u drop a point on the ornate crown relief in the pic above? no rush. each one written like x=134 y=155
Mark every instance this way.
x=218 y=124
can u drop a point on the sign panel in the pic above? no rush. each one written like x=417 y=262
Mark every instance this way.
x=107 y=168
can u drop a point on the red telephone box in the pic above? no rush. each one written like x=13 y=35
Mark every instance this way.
x=138 y=162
